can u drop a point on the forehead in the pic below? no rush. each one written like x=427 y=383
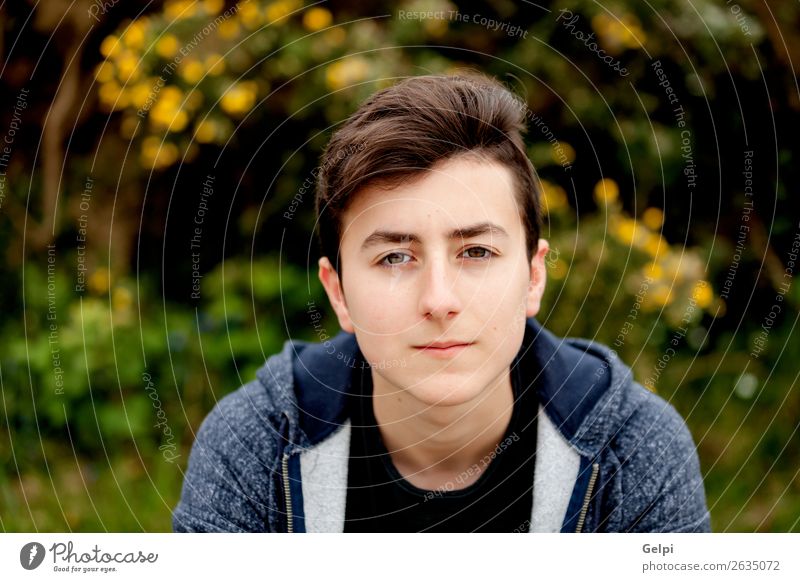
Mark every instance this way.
x=452 y=194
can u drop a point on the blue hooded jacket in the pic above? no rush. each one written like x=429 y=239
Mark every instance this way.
x=611 y=456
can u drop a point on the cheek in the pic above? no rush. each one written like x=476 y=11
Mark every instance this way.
x=503 y=335
x=373 y=314
x=505 y=309
x=502 y=292
x=373 y=348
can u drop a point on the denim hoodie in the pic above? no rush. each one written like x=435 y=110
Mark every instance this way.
x=611 y=456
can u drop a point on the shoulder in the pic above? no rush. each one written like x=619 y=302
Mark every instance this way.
x=651 y=426
x=250 y=419
x=226 y=485
x=240 y=418
x=660 y=479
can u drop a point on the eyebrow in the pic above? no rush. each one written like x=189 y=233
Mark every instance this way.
x=395 y=237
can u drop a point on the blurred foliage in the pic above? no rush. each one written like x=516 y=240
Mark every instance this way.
x=107 y=340
x=250 y=92
x=638 y=288
x=111 y=344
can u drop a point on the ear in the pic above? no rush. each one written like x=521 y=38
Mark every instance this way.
x=538 y=279
x=330 y=281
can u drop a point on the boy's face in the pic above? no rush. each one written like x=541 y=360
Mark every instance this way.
x=476 y=288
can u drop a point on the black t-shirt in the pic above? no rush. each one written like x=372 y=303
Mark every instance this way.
x=379 y=499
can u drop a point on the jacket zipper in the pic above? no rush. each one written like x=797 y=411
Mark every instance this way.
x=587 y=497
x=287 y=494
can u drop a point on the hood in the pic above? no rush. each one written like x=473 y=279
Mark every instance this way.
x=579 y=383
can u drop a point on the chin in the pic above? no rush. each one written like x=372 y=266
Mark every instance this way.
x=441 y=393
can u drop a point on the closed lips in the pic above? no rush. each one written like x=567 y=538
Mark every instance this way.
x=442 y=345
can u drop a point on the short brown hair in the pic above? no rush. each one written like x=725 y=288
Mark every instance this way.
x=400 y=132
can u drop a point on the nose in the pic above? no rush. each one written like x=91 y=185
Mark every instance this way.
x=437 y=296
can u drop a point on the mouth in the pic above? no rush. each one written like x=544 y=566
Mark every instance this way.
x=443 y=350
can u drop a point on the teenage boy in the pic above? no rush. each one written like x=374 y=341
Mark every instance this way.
x=442 y=405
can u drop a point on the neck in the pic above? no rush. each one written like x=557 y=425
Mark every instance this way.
x=430 y=445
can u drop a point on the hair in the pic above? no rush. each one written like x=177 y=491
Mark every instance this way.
x=400 y=132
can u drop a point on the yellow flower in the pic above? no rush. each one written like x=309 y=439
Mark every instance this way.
x=602 y=23
x=653 y=218
x=213 y=6
x=554 y=197
x=104 y=72
x=278 y=10
x=168 y=115
x=110 y=46
x=167 y=112
x=606 y=191
x=206 y=131
x=633 y=37
x=659 y=296
x=654 y=244
x=250 y=15
x=702 y=294
x=179 y=9
x=112 y=97
x=619 y=33
x=346 y=72
x=239 y=98
x=99 y=281
x=214 y=64
x=228 y=29
x=128 y=67
x=167 y=46
x=179 y=121
x=625 y=230
x=563 y=148
x=192 y=71
x=171 y=93
x=156 y=155
x=435 y=27
x=134 y=35
x=121 y=299
x=317 y=18
x=653 y=270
